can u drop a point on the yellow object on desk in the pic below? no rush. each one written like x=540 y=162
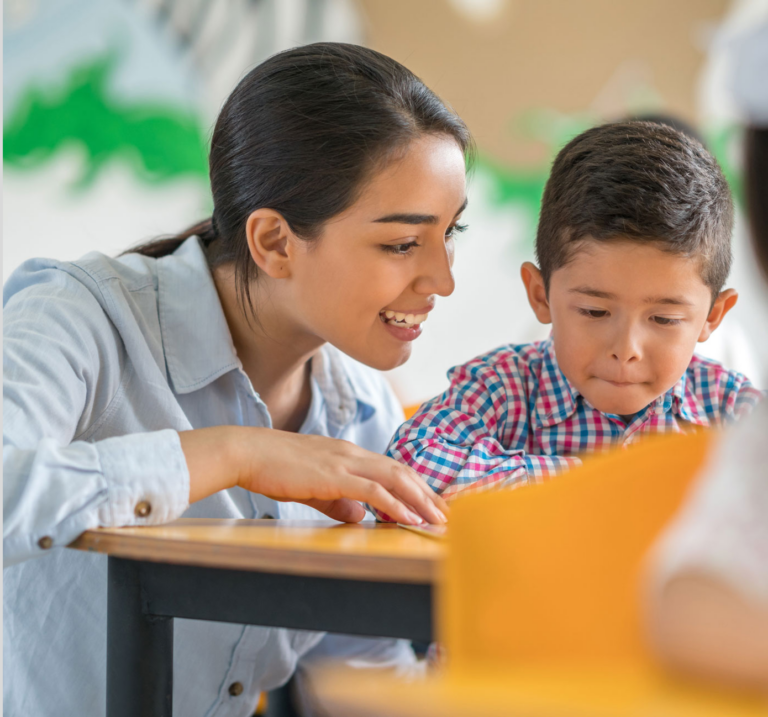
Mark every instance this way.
x=539 y=604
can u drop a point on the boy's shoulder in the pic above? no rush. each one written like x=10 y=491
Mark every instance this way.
x=720 y=392
x=510 y=358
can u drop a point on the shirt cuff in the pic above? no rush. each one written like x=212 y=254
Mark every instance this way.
x=147 y=479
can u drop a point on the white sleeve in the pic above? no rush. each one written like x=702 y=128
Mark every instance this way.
x=62 y=368
x=723 y=529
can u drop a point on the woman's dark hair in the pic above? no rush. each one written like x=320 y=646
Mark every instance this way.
x=756 y=185
x=639 y=181
x=301 y=134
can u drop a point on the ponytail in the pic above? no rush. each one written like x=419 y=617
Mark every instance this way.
x=165 y=245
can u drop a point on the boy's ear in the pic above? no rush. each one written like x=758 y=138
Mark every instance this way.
x=269 y=238
x=537 y=294
x=724 y=302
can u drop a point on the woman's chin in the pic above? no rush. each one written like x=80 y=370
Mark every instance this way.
x=380 y=358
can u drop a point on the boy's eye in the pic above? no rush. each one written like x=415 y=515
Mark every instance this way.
x=593 y=313
x=400 y=249
x=455 y=229
x=666 y=321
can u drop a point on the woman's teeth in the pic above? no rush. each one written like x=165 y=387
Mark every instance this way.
x=405 y=321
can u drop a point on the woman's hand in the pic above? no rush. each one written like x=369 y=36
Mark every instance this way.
x=324 y=473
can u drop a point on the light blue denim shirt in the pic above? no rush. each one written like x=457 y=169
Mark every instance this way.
x=104 y=360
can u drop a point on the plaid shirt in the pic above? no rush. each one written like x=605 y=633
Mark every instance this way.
x=512 y=417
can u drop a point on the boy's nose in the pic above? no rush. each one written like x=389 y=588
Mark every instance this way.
x=626 y=347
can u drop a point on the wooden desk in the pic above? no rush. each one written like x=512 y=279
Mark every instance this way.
x=363 y=579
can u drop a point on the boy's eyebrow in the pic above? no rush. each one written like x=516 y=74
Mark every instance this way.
x=415 y=218
x=589 y=291
x=673 y=300
x=670 y=300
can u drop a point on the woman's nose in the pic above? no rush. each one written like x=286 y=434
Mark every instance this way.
x=436 y=276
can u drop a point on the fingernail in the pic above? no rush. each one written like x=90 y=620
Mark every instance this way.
x=413 y=518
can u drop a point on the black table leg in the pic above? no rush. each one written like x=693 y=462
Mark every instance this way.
x=139 y=648
x=144 y=597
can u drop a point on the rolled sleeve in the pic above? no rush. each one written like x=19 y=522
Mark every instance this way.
x=53 y=493
x=147 y=479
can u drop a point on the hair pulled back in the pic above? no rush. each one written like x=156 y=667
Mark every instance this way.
x=300 y=134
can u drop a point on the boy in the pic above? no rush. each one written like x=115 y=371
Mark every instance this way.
x=633 y=247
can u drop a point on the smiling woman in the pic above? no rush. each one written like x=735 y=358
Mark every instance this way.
x=137 y=386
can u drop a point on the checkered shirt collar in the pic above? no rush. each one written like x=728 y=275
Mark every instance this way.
x=558 y=399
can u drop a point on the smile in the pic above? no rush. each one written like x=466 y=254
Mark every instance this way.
x=402 y=320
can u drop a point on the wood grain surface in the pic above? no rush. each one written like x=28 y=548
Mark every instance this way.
x=361 y=551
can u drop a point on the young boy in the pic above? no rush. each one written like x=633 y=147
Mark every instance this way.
x=634 y=248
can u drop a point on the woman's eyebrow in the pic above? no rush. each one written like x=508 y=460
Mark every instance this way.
x=405 y=218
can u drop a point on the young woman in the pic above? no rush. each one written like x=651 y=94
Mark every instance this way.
x=213 y=374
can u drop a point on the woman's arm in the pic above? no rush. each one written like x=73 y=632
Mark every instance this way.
x=63 y=368
x=58 y=345
x=701 y=626
x=325 y=473
x=708 y=591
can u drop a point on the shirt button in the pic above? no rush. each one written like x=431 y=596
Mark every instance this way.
x=45 y=542
x=143 y=509
x=236 y=689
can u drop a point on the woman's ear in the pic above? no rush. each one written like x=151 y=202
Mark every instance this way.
x=724 y=302
x=537 y=293
x=269 y=236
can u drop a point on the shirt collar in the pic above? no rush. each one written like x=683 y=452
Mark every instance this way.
x=196 y=340
x=199 y=348
x=558 y=399
x=347 y=395
x=683 y=401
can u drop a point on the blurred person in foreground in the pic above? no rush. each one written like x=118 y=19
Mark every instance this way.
x=708 y=608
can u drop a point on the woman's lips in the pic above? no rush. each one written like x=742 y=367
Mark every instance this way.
x=403 y=334
x=408 y=332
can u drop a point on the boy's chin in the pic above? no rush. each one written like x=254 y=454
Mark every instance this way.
x=618 y=405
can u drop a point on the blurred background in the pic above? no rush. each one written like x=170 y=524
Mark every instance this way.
x=108 y=106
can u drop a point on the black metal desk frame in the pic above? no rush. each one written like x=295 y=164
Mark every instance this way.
x=144 y=597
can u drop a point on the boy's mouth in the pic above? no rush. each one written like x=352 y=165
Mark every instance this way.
x=401 y=319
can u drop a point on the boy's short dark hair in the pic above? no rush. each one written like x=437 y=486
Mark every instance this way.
x=640 y=181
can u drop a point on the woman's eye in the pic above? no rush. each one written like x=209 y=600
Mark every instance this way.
x=666 y=321
x=455 y=229
x=400 y=249
x=593 y=313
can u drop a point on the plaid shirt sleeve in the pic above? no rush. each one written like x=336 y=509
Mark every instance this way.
x=739 y=397
x=727 y=396
x=473 y=436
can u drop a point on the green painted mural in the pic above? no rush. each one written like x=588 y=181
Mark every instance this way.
x=162 y=142
x=159 y=142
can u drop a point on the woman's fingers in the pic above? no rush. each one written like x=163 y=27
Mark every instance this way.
x=342 y=509
x=379 y=497
x=403 y=482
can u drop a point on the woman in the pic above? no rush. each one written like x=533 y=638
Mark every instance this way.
x=709 y=606
x=206 y=374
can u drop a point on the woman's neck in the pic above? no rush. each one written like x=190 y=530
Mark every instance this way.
x=275 y=353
